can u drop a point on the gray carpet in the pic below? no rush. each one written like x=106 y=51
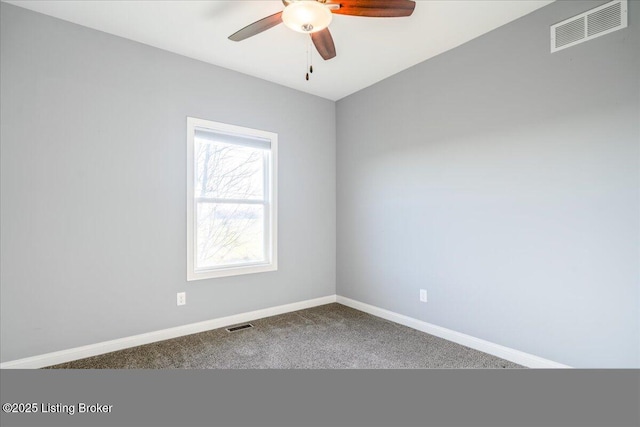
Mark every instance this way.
x=331 y=336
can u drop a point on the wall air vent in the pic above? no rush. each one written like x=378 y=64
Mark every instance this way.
x=594 y=23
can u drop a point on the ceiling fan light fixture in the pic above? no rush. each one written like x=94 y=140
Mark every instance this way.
x=307 y=16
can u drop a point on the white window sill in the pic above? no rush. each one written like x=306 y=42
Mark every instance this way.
x=230 y=271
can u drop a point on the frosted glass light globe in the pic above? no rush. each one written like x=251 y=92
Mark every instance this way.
x=306 y=16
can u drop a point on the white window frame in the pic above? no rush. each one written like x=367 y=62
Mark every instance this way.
x=271 y=203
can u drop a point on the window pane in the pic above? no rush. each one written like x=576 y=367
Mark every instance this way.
x=229 y=234
x=227 y=171
x=231 y=200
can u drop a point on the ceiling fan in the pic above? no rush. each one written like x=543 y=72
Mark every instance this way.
x=314 y=17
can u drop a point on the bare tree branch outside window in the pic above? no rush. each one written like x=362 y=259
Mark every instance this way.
x=230 y=205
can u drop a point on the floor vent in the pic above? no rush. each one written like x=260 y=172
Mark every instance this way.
x=593 y=23
x=239 y=327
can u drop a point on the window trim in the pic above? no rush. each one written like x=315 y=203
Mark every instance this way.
x=271 y=212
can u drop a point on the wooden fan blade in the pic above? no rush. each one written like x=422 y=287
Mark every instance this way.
x=324 y=43
x=257 y=27
x=374 y=8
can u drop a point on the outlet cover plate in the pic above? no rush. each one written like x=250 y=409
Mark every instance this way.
x=423 y=295
x=181 y=298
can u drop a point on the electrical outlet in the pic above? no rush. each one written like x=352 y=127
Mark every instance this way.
x=182 y=298
x=423 y=295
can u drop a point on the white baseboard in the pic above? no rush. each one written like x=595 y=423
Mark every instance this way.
x=63 y=356
x=516 y=356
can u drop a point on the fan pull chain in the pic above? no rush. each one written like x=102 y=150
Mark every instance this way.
x=309 y=60
x=307 y=75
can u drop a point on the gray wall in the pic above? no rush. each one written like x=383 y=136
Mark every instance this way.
x=504 y=180
x=93 y=186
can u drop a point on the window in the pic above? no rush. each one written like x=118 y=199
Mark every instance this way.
x=231 y=200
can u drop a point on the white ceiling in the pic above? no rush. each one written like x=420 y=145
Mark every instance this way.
x=368 y=49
